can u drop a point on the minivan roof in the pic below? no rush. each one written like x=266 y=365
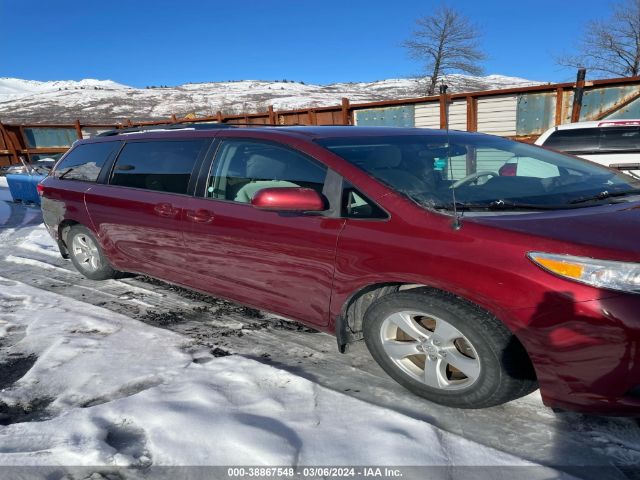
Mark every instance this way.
x=315 y=131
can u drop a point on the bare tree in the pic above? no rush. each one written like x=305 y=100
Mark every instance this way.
x=612 y=46
x=445 y=42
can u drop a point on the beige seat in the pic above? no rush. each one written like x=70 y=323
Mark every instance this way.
x=385 y=163
x=264 y=172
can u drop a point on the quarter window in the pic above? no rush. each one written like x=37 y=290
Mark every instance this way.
x=163 y=166
x=242 y=168
x=84 y=162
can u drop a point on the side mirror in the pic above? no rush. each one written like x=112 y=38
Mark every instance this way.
x=289 y=199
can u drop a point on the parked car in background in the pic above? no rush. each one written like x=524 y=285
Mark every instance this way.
x=613 y=143
x=475 y=268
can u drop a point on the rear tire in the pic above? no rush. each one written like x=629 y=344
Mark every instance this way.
x=87 y=255
x=447 y=350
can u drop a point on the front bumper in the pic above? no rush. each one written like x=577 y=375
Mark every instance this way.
x=586 y=354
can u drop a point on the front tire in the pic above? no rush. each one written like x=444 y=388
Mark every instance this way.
x=446 y=350
x=87 y=255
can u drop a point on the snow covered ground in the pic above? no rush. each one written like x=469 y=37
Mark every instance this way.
x=137 y=375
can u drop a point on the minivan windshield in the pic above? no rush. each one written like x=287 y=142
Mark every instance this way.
x=482 y=172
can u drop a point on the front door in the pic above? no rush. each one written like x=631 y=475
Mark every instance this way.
x=276 y=261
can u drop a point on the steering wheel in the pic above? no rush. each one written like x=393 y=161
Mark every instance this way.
x=473 y=177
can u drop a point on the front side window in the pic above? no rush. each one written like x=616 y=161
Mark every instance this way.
x=163 y=166
x=482 y=172
x=243 y=167
x=85 y=161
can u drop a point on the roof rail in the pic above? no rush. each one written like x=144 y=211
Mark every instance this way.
x=171 y=126
x=186 y=125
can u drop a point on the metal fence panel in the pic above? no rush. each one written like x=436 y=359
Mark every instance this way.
x=602 y=103
x=536 y=113
x=403 y=116
x=50 y=137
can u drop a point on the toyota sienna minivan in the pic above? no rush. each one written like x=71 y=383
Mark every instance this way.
x=472 y=282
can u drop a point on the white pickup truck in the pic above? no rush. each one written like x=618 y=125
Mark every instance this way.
x=614 y=143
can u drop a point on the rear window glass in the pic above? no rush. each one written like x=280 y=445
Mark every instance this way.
x=616 y=139
x=574 y=140
x=163 y=166
x=85 y=161
x=595 y=140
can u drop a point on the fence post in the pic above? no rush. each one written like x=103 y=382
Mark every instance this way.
x=577 y=95
x=472 y=114
x=219 y=116
x=174 y=119
x=444 y=117
x=559 y=105
x=78 y=129
x=272 y=115
x=311 y=117
x=9 y=143
x=346 y=110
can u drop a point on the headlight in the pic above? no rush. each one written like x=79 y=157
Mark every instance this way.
x=623 y=276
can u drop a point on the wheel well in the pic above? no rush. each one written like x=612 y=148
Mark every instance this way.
x=349 y=323
x=63 y=231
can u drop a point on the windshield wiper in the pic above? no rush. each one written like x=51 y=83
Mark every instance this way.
x=604 y=195
x=497 y=205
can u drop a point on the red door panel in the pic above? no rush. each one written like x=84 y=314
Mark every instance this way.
x=141 y=230
x=280 y=262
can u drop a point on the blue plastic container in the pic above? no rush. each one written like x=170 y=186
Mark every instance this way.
x=23 y=187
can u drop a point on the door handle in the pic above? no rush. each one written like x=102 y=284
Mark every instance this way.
x=165 y=210
x=200 y=215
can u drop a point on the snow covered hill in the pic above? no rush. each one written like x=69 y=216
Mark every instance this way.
x=29 y=101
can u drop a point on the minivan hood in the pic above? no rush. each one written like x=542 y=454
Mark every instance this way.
x=609 y=227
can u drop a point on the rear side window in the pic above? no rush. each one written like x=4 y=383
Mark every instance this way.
x=163 y=166
x=85 y=161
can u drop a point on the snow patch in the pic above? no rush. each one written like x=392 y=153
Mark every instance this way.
x=119 y=392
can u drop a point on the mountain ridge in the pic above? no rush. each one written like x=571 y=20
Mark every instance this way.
x=107 y=101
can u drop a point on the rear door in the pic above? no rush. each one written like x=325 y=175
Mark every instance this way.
x=277 y=261
x=138 y=214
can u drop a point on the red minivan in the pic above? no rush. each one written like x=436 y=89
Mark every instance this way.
x=471 y=284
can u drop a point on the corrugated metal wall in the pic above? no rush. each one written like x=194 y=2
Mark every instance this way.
x=524 y=114
x=428 y=115
x=497 y=115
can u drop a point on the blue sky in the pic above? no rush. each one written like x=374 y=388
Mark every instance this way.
x=154 y=42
